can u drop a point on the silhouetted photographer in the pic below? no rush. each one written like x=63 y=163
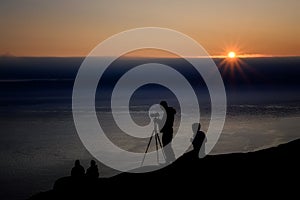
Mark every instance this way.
x=167 y=130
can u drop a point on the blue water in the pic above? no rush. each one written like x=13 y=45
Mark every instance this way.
x=39 y=142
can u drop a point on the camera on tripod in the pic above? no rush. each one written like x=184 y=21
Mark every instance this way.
x=154 y=134
x=154 y=115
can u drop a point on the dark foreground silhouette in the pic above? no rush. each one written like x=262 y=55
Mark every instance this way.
x=268 y=172
x=77 y=171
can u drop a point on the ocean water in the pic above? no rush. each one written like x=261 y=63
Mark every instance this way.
x=39 y=142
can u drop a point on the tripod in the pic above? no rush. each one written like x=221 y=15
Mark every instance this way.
x=157 y=141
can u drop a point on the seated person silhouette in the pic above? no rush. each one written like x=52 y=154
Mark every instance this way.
x=167 y=130
x=92 y=171
x=199 y=140
x=77 y=171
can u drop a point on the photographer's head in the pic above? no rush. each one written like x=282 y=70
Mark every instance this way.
x=163 y=104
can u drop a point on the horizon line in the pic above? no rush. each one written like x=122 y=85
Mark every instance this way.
x=214 y=56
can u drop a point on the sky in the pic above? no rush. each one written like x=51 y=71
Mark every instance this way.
x=75 y=27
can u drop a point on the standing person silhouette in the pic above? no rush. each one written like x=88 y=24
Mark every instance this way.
x=199 y=140
x=167 y=130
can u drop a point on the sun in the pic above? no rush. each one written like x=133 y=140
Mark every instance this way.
x=233 y=65
x=231 y=54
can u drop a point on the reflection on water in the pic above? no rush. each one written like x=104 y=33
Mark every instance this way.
x=39 y=142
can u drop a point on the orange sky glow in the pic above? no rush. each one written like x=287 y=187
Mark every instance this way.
x=63 y=28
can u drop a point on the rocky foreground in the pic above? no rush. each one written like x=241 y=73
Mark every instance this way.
x=270 y=172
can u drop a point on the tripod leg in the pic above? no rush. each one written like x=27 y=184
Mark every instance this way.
x=156 y=145
x=162 y=150
x=147 y=148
